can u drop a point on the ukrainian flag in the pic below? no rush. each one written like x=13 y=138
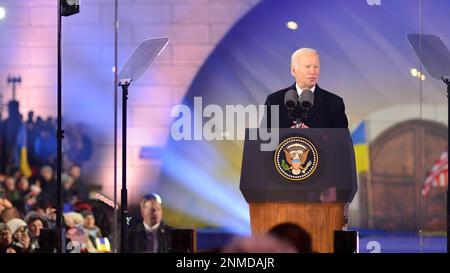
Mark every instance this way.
x=103 y=244
x=21 y=151
x=361 y=148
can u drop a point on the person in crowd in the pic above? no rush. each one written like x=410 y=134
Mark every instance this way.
x=2 y=178
x=35 y=223
x=21 y=238
x=6 y=239
x=293 y=233
x=48 y=193
x=72 y=191
x=4 y=204
x=265 y=243
x=31 y=138
x=9 y=213
x=30 y=198
x=11 y=192
x=23 y=186
x=91 y=229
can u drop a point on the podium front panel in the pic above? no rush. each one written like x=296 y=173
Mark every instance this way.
x=332 y=181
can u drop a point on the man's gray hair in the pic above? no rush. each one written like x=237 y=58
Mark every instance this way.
x=301 y=51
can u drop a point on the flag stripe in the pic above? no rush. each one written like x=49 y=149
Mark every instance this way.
x=438 y=174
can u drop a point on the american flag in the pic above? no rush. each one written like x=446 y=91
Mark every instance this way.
x=438 y=175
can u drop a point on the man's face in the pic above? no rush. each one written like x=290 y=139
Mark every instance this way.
x=151 y=210
x=75 y=172
x=35 y=227
x=5 y=237
x=47 y=174
x=22 y=231
x=306 y=69
x=10 y=184
x=89 y=221
x=23 y=184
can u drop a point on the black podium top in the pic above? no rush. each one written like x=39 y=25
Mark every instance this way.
x=309 y=166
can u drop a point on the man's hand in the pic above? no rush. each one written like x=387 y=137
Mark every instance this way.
x=302 y=126
x=50 y=213
x=25 y=240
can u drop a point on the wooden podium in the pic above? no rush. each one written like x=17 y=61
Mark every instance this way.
x=315 y=203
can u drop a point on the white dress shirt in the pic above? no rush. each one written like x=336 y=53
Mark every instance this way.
x=299 y=90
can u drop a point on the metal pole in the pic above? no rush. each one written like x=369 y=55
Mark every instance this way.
x=422 y=160
x=59 y=136
x=124 y=202
x=116 y=35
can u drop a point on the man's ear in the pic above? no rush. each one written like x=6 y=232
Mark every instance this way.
x=293 y=70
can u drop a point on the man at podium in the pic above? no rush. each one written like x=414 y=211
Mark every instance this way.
x=318 y=108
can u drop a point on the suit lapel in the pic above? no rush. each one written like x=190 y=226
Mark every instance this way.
x=318 y=102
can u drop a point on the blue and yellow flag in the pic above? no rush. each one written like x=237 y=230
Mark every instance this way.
x=361 y=148
x=102 y=244
x=21 y=151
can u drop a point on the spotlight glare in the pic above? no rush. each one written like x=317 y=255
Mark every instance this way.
x=414 y=72
x=292 y=25
x=2 y=13
x=422 y=77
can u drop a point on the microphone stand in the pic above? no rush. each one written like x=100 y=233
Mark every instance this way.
x=302 y=116
x=447 y=82
x=292 y=115
x=124 y=194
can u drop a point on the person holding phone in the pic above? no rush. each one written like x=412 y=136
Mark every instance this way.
x=21 y=238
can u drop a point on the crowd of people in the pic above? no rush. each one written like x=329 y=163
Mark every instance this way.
x=28 y=187
x=28 y=205
x=37 y=136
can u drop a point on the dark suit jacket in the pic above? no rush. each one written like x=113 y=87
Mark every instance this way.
x=137 y=238
x=328 y=110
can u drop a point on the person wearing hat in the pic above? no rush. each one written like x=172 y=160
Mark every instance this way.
x=151 y=235
x=19 y=231
x=73 y=219
x=6 y=239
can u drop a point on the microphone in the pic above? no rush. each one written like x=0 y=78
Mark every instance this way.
x=306 y=102
x=290 y=101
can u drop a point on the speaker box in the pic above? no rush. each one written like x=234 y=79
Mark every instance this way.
x=183 y=241
x=346 y=241
x=48 y=240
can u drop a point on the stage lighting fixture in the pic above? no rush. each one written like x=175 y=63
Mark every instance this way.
x=2 y=13
x=69 y=7
x=292 y=25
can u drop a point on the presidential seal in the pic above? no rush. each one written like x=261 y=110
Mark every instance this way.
x=296 y=158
